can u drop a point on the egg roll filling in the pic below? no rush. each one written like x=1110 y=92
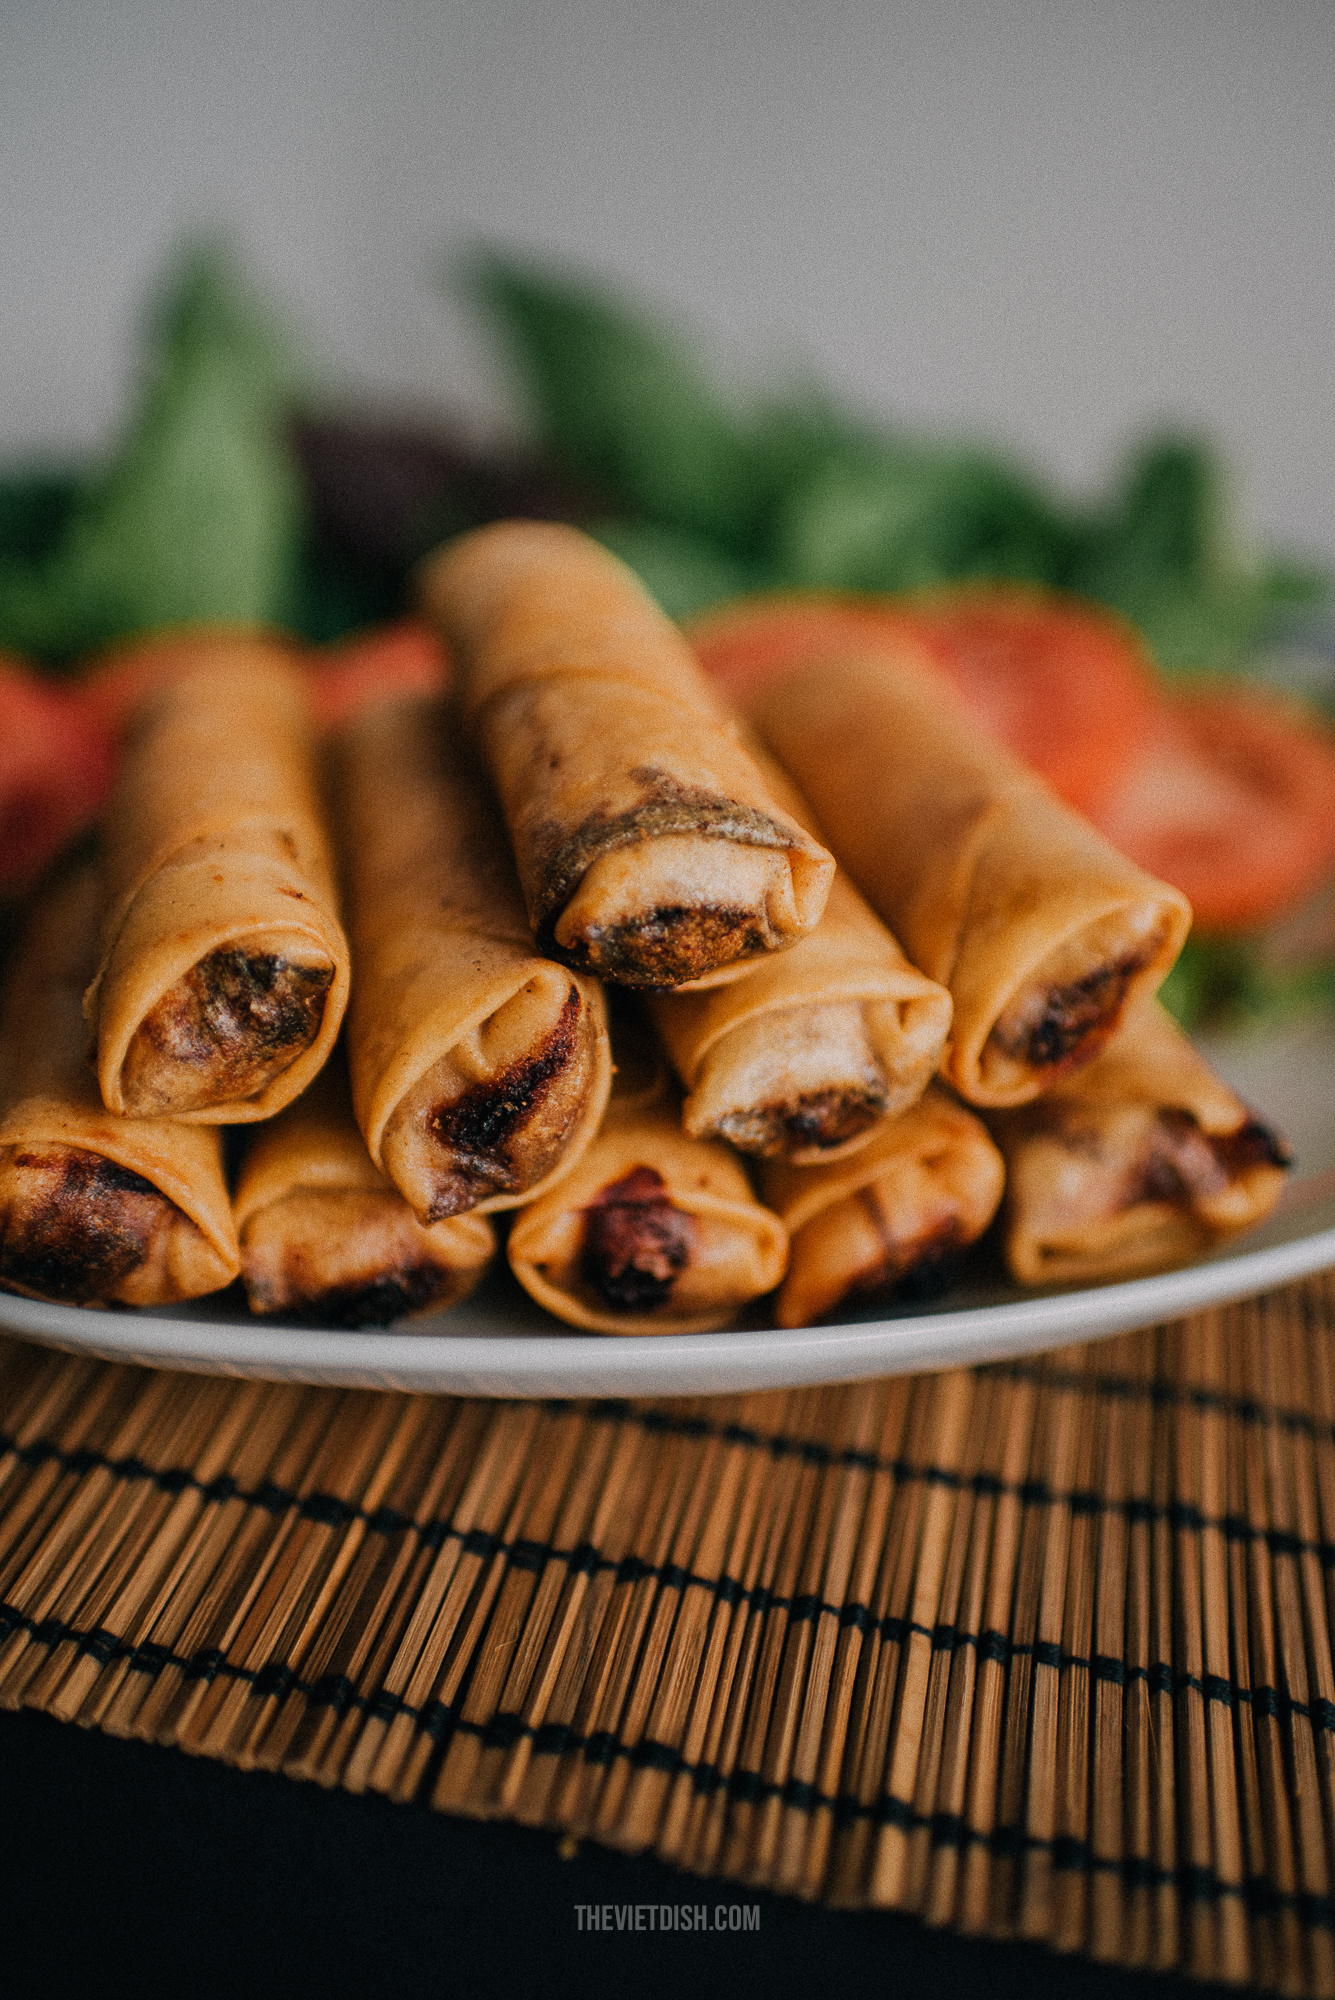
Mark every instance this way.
x=1071 y=1003
x=351 y=1257
x=494 y=1114
x=665 y=912
x=636 y=1244
x=236 y=1020
x=797 y=1080
x=82 y=1230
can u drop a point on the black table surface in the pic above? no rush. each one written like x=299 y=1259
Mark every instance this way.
x=127 y=1869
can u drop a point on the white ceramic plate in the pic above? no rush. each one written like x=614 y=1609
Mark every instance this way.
x=499 y=1344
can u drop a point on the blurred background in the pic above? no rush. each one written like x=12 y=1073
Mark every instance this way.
x=1052 y=223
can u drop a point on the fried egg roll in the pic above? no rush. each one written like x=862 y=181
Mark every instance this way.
x=1144 y=1160
x=653 y=1232
x=326 y=1237
x=94 y=1208
x=890 y=1220
x=648 y=844
x=480 y=1069
x=799 y=1060
x=1043 y=933
x=224 y=970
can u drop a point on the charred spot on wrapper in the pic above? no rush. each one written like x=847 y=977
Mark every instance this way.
x=1184 y=1161
x=89 y=1224
x=377 y=1300
x=636 y=1244
x=918 y=1269
x=506 y=1135
x=235 y=1021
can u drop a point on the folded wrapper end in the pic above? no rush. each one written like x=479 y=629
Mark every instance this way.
x=653 y=1232
x=890 y=1221
x=1141 y=1162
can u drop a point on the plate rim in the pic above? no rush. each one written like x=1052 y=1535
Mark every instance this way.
x=578 y=1365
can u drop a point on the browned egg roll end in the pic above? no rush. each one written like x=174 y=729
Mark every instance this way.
x=1143 y=1161
x=508 y=1107
x=892 y=1220
x=650 y=850
x=652 y=1233
x=78 y=1228
x=349 y=1257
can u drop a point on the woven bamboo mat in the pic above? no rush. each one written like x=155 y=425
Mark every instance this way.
x=1039 y=1649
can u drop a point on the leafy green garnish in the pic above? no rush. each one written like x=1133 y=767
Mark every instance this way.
x=1226 y=983
x=794 y=492
x=198 y=514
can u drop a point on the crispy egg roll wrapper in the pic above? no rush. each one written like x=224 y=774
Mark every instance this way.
x=800 y=1059
x=326 y=1236
x=893 y=1217
x=94 y=1208
x=1143 y=1160
x=224 y=969
x=653 y=1232
x=649 y=846
x=1043 y=933
x=480 y=1068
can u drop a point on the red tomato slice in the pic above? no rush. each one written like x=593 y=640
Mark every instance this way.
x=1233 y=801
x=402 y=659
x=1066 y=685
x=55 y=771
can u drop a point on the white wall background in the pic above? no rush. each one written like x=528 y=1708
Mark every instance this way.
x=1049 y=221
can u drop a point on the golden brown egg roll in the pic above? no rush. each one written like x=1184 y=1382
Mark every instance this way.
x=800 y=1059
x=1143 y=1160
x=94 y=1208
x=1043 y=933
x=224 y=969
x=479 y=1068
x=648 y=845
x=326 y=1237
x=653 y=1232
x=890 y=1220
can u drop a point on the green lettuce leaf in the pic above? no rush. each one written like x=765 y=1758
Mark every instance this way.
x=198 y=514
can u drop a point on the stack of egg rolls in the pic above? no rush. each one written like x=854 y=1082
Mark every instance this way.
x=649 y=847
x=95 y=1207
x=224 y=969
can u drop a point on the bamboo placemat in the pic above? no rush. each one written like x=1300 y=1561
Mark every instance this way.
x=1042 y=1648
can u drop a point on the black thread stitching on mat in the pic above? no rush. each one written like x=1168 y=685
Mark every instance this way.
x=331 y=1511
x=441 y=1721
x=1160 y=1677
